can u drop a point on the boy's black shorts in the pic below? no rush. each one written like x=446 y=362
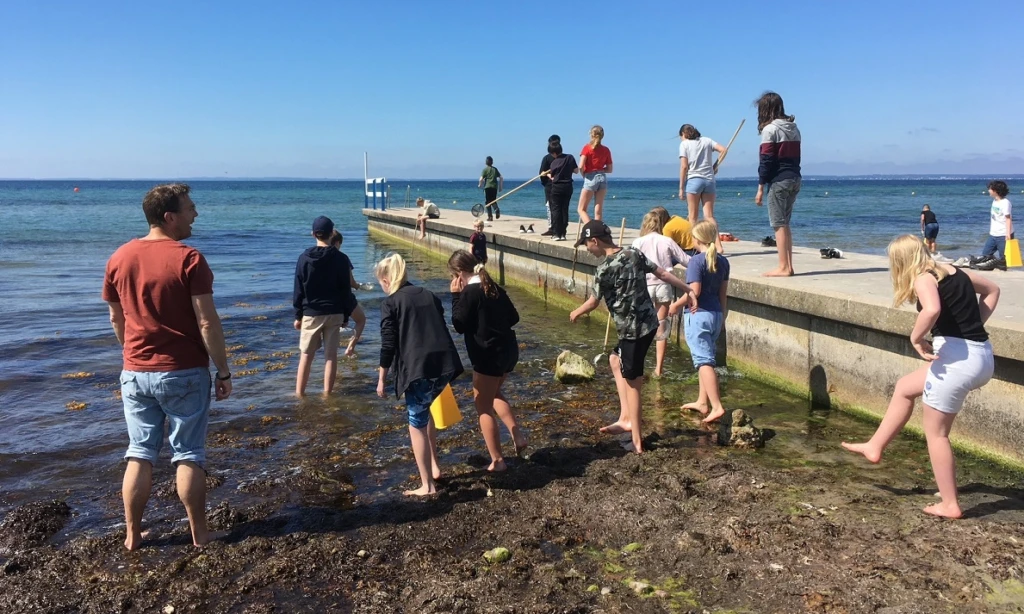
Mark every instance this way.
x=632 y=353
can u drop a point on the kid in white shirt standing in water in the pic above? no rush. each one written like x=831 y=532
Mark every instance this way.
x=958 y=358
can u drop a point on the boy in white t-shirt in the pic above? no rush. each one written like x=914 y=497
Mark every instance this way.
x=1000 y=229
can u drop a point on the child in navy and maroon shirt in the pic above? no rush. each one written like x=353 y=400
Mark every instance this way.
x=478 y=242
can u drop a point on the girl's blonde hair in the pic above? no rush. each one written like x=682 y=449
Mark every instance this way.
x=706 y=232
x=652 y=223
x=908 y=258
x=392 y=270
x=596 y=134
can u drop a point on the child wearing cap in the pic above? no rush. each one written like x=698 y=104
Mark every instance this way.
x=323 y=302
x=621 y=280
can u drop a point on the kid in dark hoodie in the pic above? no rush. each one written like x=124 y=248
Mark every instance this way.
x=323 y=302
x=779 y=169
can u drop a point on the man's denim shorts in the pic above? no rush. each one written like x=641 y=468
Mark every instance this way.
x=418 y=397
x=595 y=182
x=702 y=331
x=182 y=397
x=700 y=185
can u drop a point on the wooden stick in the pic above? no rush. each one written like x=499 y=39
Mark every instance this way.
x=513 y=191
x=726 y=152
x=608 y=328
x=571 y=287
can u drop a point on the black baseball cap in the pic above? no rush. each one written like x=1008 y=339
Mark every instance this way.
x=594 y=229
x=323 y=224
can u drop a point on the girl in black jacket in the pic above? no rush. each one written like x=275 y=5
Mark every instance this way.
x=482 y=311
x=416 y=342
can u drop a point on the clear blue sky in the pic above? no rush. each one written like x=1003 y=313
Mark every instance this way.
x=184 y=89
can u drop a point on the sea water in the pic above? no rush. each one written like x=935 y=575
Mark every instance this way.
x=57 y=347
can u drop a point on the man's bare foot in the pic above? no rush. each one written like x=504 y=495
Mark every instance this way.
x=497 y=466
x=714 y=416
x=615 y=428
x=134 y=541
x=944 y=510
x=209 y=537
x=869 y=451
x=697 y=407
x=778 y=273
x=658 y=373
x=422 y=491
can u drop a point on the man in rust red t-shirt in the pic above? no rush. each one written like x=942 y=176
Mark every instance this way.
x=160 y=294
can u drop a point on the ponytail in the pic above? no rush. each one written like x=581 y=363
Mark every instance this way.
x=462 y=261
x=596 y=134
x=706 y=233
x=392 y=270
x=489 y=288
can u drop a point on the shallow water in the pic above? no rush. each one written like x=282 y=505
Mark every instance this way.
x=56 y=325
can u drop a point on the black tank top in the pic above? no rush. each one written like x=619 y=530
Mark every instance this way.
x=929 y=217
x=959 y=316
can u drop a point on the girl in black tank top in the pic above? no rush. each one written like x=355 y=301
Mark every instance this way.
x=960 y=361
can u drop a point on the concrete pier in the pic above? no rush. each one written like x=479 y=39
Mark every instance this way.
x=829 y=333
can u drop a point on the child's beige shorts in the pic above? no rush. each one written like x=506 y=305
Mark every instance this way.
x=317 y=330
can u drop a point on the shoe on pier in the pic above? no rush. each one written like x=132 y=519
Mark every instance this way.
x=522 y=228
x=548 y=233
x=530 y=229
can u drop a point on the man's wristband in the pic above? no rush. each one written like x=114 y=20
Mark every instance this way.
x=223 y=379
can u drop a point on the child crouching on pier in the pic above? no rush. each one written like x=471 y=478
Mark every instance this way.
x=621 y=280
x=958 y=358
x=415 y=343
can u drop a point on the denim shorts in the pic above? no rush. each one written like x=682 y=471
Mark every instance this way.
x=418 y=397
x=180 y=397
x=702 y=330
x=595 y=182
x=931 y=231
x=781 y=197
x=700 y=185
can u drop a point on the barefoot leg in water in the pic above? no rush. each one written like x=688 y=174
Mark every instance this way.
x=622 y=425
x=937 y=425
x=901 y=406
x=709 y=384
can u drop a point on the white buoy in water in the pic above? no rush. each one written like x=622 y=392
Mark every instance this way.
x=613 y=196
x=913 y=193
x=454 y=202
x=826 y=193
x=737 y=193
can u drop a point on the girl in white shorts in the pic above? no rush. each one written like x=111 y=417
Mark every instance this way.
x=959 y=357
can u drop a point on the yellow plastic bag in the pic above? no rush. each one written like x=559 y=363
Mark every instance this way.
x=1012 y=253
x=445 y=409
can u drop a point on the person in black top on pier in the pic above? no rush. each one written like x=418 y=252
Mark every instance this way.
x=545 y=164
x=958 y=358
x=482 y=311
x=560 y=172
x=929 y=227
x=415 y=343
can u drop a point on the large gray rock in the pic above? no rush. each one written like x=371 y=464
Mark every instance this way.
x=573 y=369
x=737 y=429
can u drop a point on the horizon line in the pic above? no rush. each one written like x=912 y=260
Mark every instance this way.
x=949 y=176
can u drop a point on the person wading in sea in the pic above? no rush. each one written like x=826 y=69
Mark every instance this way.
x=160 y=295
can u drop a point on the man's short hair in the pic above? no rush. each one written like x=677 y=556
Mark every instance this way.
x=163 y=199
x=999 y=187
x=554 y=138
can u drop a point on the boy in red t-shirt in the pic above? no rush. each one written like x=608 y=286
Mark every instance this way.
x=478 y=242
x=595 y=163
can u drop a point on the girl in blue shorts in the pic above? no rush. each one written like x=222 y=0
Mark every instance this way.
x=708 y=275
x=415 y=343
x=958 y=359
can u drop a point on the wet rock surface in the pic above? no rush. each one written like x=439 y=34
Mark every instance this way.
x=588 y=527
x=737 y=429
x=572 y=368
x=32 y=525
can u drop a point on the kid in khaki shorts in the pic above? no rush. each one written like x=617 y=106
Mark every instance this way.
x=622 y=281
x=323 y=301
